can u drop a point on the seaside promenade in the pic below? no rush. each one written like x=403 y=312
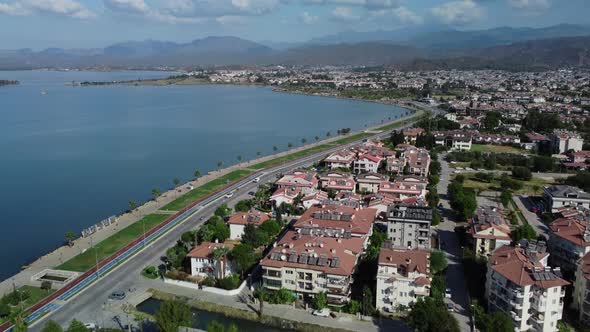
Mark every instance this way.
x=80 y=245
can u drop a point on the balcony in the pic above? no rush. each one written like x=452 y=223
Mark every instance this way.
x=516 y=305
x=515 y=316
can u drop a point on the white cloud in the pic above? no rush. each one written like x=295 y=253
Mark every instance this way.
x=231 y=20
x=67 y=8
x=401 y=14
x=530 y=4
x=458 y=12
x=307 y=18
x=131 y=6
x=344 y=14
x=369 y=4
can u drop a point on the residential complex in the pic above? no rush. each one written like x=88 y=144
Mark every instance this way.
x=558 y=196
x=488 y=230
x=408 y=226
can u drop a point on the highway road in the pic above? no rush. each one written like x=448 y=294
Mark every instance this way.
x=91 y=301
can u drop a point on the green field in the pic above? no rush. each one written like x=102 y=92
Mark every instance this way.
x=531 y=187
x=206 y=189
x=497 y=148
x=109 y=246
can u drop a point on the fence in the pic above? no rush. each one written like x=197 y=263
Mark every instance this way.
x=100 y=225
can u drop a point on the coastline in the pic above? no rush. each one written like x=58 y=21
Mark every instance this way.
x=63 y=253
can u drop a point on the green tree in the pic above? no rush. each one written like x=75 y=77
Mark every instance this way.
x=353 y=307
x=77 y=326
x=156 y=193
x=243 y=205
x=428 y=315
x=303 y=141
x=219 y=165
x=220 y=255
x=243 y=257
x=4 y=310
x=52 y=326
x=270 y=227
x=70 y=237
x=172 y=315
x=505 y=198
x=132 y=206
x=521 y=173
x=396 y=137
x=176 y=256
x=197 y=174
x=367 y=307
x=320 y=301
x=525 y=231
x=139 y=318
x=223 y=211
x=46 y=285
x=289 y=145
x=438 y=261
x=260 y=294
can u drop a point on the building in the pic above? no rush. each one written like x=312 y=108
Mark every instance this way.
x=314 y=199
x=369 y=182
x=558 y=196
x=563 y=141
x=409 y=226
x=581 y=293
x=417 y=161
x=403 y=189
x=301 y=179
x=569 y=240
x=338 y=181
x=367 y=163
x=238 y=221
x=455 y=140
x=403 y=276
x=395 y=165
x=411 y=134
x=203 y=262
x=285 y=195
x=340 y=219
x=340 y=159
x=488 y=230
x=520 y=284
x=312 y=262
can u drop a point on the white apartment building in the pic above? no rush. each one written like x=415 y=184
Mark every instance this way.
x=369 y=182
x=203 y=262
x=403 y=276
x=312 y=262
x=408 y=226
x=488 y=230
x=563 y=141
x=367 y=163
x=569 y=240
x=581 y=292
x=558 y=196
x=520 y=284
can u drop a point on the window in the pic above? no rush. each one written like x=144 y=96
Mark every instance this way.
x=288 y=271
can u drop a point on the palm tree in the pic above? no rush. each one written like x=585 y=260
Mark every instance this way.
x=197 y=174
x=317 y=138
x=258 y=154
x=328 y=134
x=156 y=193
x=70 y=237
x=274 y=148
x=18 y=318
x=132 y=206
x=240 y=159
x=176 y=182
x=303 y=141
x=220 y=254
x=219 y=165
x=260 y=294
x=289 y=145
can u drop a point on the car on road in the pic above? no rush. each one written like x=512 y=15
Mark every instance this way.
x=91 y=326
x=256 y=180
x=251 y=193
x=117 y=295
x=456 y=172
x=322 y=312
x=448 y=293
x=229 y=195
x=450 y=307
x=459 y=168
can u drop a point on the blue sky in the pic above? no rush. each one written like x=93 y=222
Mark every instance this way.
x=97 y=23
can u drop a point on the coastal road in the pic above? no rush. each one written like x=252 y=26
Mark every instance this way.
x=92 y=300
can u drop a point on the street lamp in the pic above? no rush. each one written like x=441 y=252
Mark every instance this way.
x=95 y=257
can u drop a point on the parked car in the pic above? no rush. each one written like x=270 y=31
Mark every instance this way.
x=256 y=180
x=448 y=293
x=251 y=193
x=91 y=326
x=322 y=312
x=229 y=195
x=450 y=307
x=117 y=295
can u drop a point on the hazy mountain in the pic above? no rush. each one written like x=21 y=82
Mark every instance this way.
x=367 y=53
x=350 y=36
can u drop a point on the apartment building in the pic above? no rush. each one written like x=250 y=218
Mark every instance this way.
x=204 y=264
x=563 y=141
x=340 y=159
x=403 y=276
x=569 y=240
x=558 y=196
x=456 y=140
x=581 y=293
x=520 y=284
x=338 y=181
x=403 y=189
x=238 y=221
x=369 y=182
x=301 y=179
x=488 y=230
x=395 y=165
x=358 y=222
x=409 y=226
x=417 y=161
x=367 y=163
x=312 y=261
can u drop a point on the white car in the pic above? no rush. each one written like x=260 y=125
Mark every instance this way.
x=229 y=195
x=468 y=169
x=91 y=326
x=256 y=180
x=456 y=172
x=450 y=307
x=459 y=168
x=448 y=293
x=322 y=312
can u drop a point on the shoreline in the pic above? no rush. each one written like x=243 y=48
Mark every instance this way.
x=127 y=218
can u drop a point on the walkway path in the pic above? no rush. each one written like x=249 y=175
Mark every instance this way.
x=531 y=218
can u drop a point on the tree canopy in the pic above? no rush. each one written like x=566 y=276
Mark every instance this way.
x=428 y=315
x=172 y=315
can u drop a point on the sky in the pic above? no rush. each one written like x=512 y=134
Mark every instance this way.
x=39 y=24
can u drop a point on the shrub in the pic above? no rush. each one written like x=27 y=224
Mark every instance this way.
x=353 y=307
x=229 y=282
x=209 y=281
x=4 y=310
x=46 y=285
x=283 y=296
x=522 y=173
x=150 y=272
x=320 y=301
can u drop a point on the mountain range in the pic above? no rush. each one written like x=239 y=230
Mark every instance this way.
x=504 y=47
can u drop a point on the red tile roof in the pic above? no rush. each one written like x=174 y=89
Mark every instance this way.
x=357 y=221
x=252 y=217
x=205 y=249
x=414 y=260
x=570 y=230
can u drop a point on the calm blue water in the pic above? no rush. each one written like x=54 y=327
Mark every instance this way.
x=78 y=154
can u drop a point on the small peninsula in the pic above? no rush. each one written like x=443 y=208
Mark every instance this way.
x=8 y=82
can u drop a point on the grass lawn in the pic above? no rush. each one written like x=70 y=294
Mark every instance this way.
x=292 y=156
x=497 y=148
x=528 y=187
x=109 y=246
x=36 y=294
x=205 y=189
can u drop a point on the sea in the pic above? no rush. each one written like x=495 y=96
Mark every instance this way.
x=71 y=156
